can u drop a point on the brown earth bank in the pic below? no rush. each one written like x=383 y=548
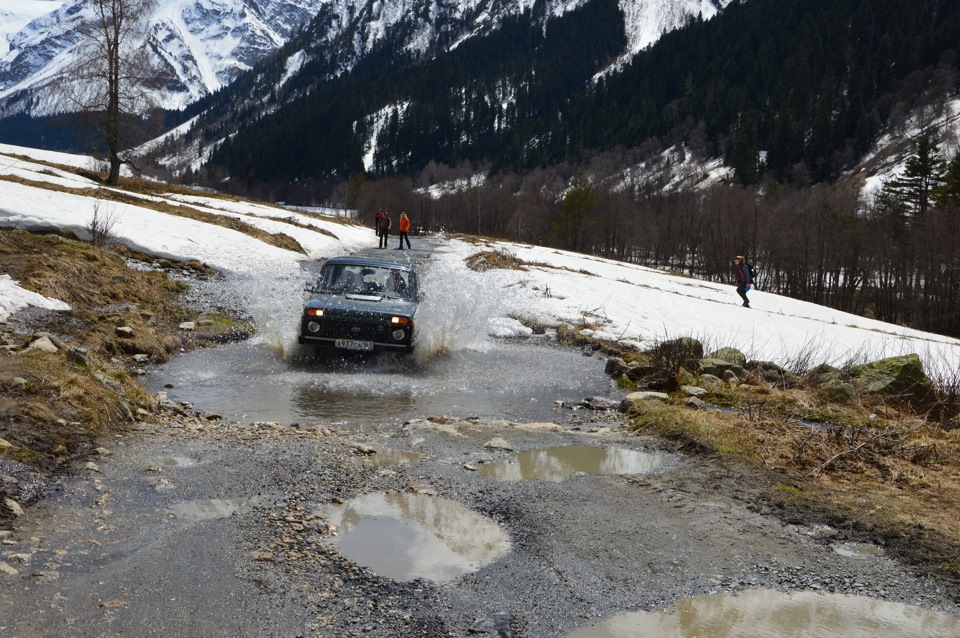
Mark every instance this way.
x=876 y=471
x=70 y=377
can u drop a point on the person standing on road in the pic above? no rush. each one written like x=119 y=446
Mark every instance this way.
x=404 y=226
x=744 y=279
x=384 y=229
x=376 y=222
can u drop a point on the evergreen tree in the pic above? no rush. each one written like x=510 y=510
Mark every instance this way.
x=922 y=175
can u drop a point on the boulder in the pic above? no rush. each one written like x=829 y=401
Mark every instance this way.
x=896 y=377
x=692 y=391
x=124 y=332
x=730 y=355
x=711 y=382
x=731 y=377
x=839 y=392
x=43 y=344
x=823 y=374
x=717 y=368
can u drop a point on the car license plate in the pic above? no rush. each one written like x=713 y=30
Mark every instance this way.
x=353 y=344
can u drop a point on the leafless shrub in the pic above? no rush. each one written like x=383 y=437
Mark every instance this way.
x=101 y=224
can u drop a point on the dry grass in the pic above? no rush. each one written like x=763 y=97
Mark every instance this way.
x=876 y=463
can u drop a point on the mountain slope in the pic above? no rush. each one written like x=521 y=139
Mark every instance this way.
x=206 y=44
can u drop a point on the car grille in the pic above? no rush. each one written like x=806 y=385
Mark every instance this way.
x=346 y=329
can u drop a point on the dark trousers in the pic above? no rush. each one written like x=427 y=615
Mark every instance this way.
x=403 y=235
x=742 y=291
x=384 y=237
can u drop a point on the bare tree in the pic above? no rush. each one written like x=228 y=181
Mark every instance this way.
x=112 y=73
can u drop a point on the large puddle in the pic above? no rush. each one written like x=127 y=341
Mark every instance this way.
x=249 y=382
x=406 y=536
x=562 y=463
x=764 y=613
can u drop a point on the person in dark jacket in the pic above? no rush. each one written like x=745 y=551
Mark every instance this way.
x=744 y=280
x=384 y=227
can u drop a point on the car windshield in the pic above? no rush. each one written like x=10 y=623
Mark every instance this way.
x=365 y=279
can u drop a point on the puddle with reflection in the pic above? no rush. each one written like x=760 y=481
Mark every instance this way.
x=858 y=550
x=176 y=461
x=408 y=536
x=386 y=457
x=205 y=510
x=561 y=463
x=765 y=613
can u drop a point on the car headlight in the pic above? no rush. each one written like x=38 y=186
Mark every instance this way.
x=399 y=334
x=313 y=326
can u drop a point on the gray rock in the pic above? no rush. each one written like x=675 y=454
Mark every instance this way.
x=711 y=382
x=498 y=443
x=730 y=355
x=896 y=377
x=124 y=331
x=78 y=355
x=110 y=384
x=730 y=377
x=13 y=506
x=692 y=391
x=43 y=344
x=141 y=358
x=188 y=325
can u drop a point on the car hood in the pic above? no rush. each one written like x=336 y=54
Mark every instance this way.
x=364 y=304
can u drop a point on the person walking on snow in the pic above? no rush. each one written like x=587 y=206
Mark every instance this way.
x=383 y=227
x=744 y=279
x=404 y=227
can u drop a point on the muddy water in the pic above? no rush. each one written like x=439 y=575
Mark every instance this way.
x=562 y=463
x=407 y=536
x=515 y=381
x=764 y=613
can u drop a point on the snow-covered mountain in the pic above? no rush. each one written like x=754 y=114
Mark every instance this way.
x=208 y=43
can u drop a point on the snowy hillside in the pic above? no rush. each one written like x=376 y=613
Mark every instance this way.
x=620 y=301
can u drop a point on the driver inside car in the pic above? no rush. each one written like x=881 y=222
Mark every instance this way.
x=395 y=283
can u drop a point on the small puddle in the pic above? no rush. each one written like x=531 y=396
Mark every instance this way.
x=206 y=510
x=385 y=457
x=858 y=550
x=765 y=613
x=561 y=463
x=408 y=536
x=176 y=461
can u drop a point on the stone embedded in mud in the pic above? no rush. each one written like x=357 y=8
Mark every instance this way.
x=43 y=344
x=498 y=443
x=13 y=506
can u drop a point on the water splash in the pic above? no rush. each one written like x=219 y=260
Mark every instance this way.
x=456 y=312
x=273 y=297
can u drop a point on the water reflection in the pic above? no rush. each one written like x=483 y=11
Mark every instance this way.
x=248 y=382
x=407 y=536
x=385 y=457
x=764 y=613
x=561 y=463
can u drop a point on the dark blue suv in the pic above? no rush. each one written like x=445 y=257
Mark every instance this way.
x=363 y=305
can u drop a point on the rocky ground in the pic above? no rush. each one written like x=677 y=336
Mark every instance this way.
x=185 y=527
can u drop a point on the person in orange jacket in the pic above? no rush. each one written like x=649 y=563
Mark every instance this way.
x=404 y=226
